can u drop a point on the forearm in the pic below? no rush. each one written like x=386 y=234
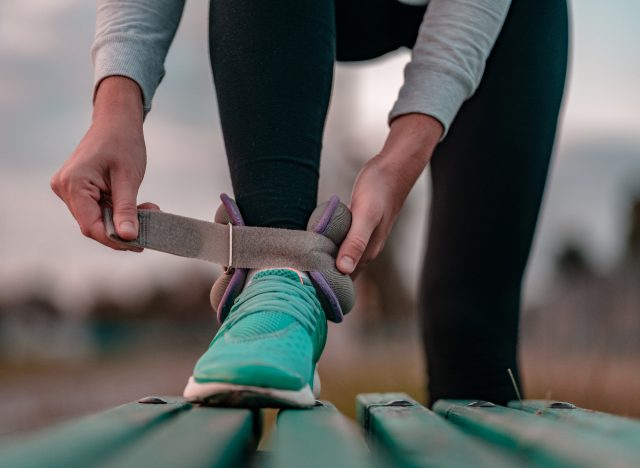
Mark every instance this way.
x=408 y=148
x=448 y=59
x=132 y=40
x=119 y=97
x=412 y=138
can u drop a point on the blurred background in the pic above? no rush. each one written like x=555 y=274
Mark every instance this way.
x=83 y=327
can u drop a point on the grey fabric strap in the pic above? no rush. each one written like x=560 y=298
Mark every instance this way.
x=228 y=245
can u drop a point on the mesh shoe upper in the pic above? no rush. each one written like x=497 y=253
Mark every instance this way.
x=272 y=337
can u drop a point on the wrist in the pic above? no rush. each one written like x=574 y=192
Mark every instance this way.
x=411 y=141
x=119 y=98
x=413 y=134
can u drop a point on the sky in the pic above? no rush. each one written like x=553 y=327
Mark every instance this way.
x=45 y=107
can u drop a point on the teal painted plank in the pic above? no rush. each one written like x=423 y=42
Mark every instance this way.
x=318 y=437
x=412 y=436
x=544 y=442
x=366 y=401
x=86 y=441
x=200 y=437
x=620 y=429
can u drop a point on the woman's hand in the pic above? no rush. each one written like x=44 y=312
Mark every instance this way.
x=383 y=185
x=109 y=162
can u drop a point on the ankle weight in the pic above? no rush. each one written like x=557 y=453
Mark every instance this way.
x=335 y=290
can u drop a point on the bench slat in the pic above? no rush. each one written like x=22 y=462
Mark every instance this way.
x=543 y=441
x=621 y=429
x=202 y=436
x=88 y=440
x=318 y=437
x=413 y=436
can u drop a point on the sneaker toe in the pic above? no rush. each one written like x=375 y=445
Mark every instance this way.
x=253 y=373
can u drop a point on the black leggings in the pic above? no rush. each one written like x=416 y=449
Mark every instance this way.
x=273 y=68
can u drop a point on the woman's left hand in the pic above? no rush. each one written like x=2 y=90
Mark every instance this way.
x=382 y=187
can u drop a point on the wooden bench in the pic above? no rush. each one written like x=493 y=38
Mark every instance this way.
x=393 y=431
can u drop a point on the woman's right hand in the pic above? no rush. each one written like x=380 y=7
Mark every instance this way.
x=109 y=162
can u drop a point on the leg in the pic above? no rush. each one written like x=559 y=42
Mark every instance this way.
x=488 y=180
x=273 y=67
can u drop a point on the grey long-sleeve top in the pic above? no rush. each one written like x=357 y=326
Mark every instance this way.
x=447 y=61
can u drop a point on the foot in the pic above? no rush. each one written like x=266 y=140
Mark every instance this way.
x=266 y=351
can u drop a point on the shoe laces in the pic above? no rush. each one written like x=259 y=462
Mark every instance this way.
x=282 y=295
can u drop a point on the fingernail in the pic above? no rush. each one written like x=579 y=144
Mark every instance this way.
x=127 y=228
x=347 y=264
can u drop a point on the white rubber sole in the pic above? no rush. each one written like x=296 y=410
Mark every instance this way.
x=226 y=394
x=248 y=396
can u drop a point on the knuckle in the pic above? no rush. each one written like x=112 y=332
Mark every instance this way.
x=63 y=179
x=70 y=181
x=62 y=175
x=126 y=208
x=357 y=244
x=85 y=230
x=54 y=183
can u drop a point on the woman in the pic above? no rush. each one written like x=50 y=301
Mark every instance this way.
x=498 y=69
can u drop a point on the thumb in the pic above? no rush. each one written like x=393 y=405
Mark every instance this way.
x=355 y=244
x=125 y=211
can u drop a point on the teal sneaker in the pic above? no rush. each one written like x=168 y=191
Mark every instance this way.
x=266 y=351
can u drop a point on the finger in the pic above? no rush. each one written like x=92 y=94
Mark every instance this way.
x=148 y=206
x=357 y=240
x=54 y=183
x=125 y=211
x=375 y=246
x=363 y=263
x=83 y=204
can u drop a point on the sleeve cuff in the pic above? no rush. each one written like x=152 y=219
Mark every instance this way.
x=431 y=92
x=124 y=57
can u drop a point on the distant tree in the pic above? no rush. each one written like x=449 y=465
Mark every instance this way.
x=572 y=263
x=633 y=237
